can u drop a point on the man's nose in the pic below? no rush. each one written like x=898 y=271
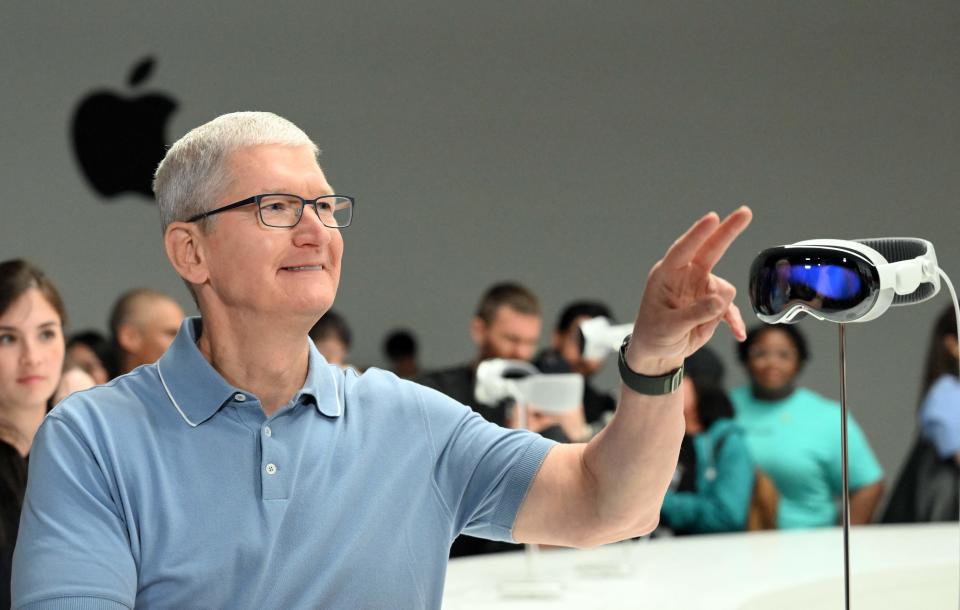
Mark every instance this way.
x=310 y=230
x=522 y=352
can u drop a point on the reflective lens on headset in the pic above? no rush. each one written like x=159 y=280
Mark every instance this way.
x=832 y=284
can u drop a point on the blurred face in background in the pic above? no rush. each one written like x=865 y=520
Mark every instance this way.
x=510 y=334
x=568 y=344
x=333 y=349
x=773 y=360
x=953 y=348
x=31 y=352
x=159 y=329
x=151 y=331
x=82 y=357
x=691 y=416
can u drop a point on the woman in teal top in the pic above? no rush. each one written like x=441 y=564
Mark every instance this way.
x=794 y=435
x=723 y=481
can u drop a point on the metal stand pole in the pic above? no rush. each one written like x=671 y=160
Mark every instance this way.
x=531 y=585
x=843 y=457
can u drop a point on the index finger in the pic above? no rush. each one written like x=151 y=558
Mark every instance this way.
x=685 y=248
x=716 y=244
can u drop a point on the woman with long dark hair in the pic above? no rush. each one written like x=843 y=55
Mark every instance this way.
x=928 y=486
x=31 y=359
x=940 y=407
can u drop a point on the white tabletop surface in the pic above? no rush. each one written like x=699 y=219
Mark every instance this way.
x=911 y=566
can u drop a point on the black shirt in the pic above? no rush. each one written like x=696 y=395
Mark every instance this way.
x=13 y=483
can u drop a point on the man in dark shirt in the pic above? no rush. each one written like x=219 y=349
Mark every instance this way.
x=506 y=324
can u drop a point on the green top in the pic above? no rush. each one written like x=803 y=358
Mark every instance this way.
x=724 y=484
x=797 y=442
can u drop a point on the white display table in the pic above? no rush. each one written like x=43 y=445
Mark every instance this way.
x=895 y=567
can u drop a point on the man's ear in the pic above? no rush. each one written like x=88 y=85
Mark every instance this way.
x=184 y=244
x=556 y=340
x=478 y=330
x=129 y=338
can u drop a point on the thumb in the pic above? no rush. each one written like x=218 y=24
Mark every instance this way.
x=703 y=310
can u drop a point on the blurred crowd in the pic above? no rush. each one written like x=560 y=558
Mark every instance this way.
x=765 y=455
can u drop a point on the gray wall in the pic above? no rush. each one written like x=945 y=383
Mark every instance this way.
x=564 y=144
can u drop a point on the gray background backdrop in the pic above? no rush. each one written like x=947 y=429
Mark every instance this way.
x=563 y=144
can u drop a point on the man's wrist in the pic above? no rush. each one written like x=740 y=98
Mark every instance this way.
x=650 y=366
x=656 y=384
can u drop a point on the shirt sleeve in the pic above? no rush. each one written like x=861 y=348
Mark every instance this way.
x=73 y=550
x=482 y=472
x=864 y=467
x=721 y=505
x=940 y=419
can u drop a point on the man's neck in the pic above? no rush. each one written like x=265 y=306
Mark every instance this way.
x=19 y=425
x=129 y=362
x=260 y=357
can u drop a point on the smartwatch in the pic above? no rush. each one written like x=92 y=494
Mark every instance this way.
x=642 y=384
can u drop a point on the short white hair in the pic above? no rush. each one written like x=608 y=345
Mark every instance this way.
x=194 y=169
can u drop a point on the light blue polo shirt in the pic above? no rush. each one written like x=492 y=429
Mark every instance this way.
x=940 y=415
x=170 y=488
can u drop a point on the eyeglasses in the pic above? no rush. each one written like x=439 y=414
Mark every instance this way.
x=284 y=211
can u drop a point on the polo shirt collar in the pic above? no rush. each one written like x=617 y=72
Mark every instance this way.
x=198 y=391
x=322 y=384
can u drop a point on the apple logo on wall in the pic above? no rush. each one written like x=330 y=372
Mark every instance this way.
x=120 y=141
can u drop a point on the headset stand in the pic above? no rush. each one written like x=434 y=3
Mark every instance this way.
x=531 y=584
x=843 y=459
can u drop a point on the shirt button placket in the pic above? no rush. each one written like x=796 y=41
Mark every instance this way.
x=272 y=477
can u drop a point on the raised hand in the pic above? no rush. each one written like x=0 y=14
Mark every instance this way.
x=683 y=301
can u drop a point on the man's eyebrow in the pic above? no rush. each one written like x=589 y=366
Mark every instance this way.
x=325 y=192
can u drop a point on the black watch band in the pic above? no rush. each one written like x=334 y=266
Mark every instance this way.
x=651 y=386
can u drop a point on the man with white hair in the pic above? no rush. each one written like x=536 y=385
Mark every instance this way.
x=243 y=471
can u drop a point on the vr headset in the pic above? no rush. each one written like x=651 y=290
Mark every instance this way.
x=598 y=337
x=842 y=281
x=499 y=379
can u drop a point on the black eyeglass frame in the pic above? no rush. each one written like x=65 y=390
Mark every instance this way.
x=303 y=203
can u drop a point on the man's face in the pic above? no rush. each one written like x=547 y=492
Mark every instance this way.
x=254 y=270
x=157 y=327
x=510 y=334
x=151 y=329
x=568 y=344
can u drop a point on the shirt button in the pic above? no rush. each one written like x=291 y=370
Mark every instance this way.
x=271 y=469
x=239 y=397
x=268 y=431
